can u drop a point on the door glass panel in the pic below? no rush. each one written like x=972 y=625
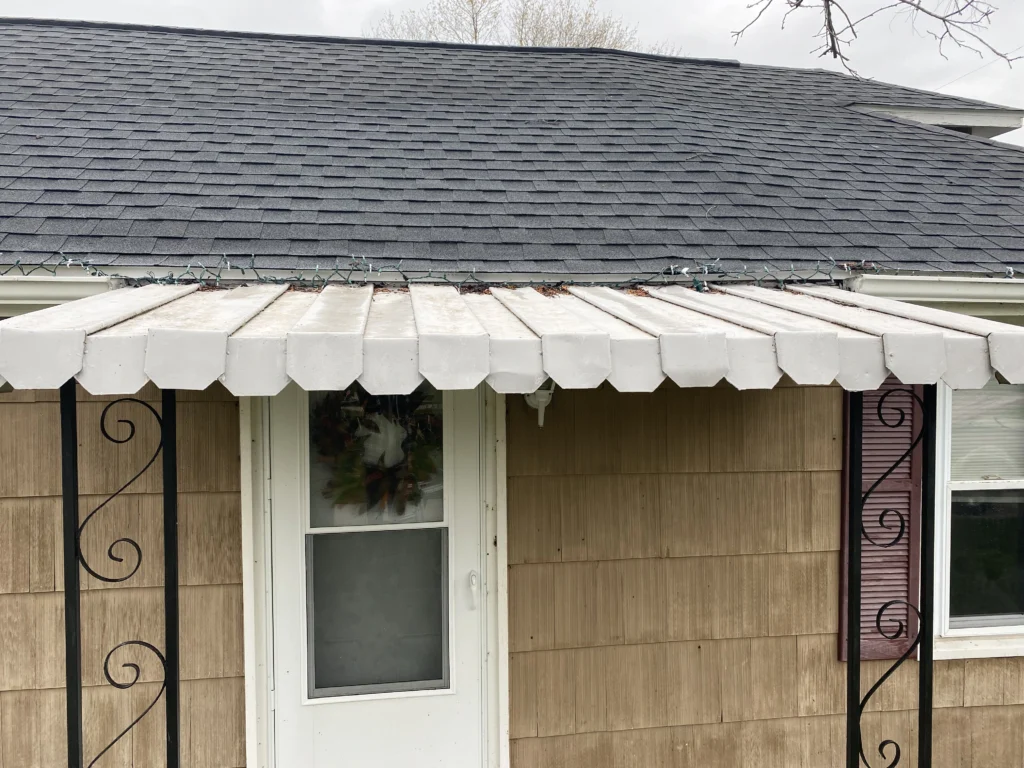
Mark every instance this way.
x=378 y=611
x=375 y=459
x=987 y=558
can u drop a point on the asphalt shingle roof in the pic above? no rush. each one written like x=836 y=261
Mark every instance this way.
x=141 y=146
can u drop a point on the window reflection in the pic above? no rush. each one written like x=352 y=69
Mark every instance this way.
x=987 y=558
x=375 y=459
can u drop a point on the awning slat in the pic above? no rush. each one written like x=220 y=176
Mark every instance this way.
x=391 y=359
x=577 y=355
x=189 y=351
x=515 y=357
x=258 y=338
x=968 y=364
x=325 y=348
x=454 y=351
x=861 y=356
x=753 y=362
x=807 y=349
x=1005 y=342
x=635 y=356
x=42 y=350
x=256 y=362
x=694 y=348
x=916 y=353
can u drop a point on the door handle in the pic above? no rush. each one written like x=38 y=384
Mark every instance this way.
x=474 y=589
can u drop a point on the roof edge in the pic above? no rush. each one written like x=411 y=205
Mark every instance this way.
x=1004 y=117
x=965 y=102
x=200 y=32
x=942 y=127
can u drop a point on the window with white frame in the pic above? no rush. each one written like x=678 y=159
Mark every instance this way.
x=377 y=544
x=984 y=511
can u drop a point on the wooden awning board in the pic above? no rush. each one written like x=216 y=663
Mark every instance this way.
x=256 y=339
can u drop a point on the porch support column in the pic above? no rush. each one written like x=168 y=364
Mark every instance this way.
x=853 y=578
x=72 y=586
x=927 y=599
x=169 y=418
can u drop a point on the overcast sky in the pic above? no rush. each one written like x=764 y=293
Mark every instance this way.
x=889 y=48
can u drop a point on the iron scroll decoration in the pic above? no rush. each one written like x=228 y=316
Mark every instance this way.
x=115 y=553
x=130 y=543
x=897 y=628
x=136 y=673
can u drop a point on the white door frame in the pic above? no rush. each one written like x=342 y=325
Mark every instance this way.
x=257 y=580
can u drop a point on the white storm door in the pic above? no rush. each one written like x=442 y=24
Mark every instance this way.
x=378 y=599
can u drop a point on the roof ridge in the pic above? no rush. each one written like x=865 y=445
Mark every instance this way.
x=198 y=31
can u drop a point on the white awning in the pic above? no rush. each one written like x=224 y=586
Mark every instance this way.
x=255 y=339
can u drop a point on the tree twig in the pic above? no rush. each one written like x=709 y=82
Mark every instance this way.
x=963 y=23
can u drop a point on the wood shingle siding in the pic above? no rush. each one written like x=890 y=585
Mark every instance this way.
x=32 y=709
x=673 y=592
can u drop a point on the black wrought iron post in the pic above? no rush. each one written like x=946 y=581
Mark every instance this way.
x=120 y=552
x=72 y=586
x=927 y=600
x=853 y=578
x=172 y=676
x=891 y=416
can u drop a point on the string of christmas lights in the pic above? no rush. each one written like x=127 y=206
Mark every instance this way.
x=232 y=270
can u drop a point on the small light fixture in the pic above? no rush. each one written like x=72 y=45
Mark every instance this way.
x=540 y=400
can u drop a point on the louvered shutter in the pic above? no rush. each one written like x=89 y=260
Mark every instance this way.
x=891 y=573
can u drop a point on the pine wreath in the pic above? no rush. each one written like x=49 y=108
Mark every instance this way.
x=341 y=427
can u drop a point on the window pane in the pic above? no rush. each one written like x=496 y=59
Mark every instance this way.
x=375 y=459
x=987 y=558
x=379 y=610
x=988 y=433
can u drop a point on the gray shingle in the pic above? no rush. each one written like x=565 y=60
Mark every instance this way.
x=145 y=146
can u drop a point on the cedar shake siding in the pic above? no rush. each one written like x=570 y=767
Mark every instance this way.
x=674 y=569
x=32 y=708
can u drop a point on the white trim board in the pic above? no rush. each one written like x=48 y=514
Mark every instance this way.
x=983 y=122
x=257 y=575
x=247 y=455
x=987 y=642
x=26 y=293
x=503 y=743
x=256 y=582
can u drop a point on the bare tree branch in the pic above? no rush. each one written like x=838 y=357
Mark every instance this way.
x=582 y=24
x=963 y=23
x=762 y=7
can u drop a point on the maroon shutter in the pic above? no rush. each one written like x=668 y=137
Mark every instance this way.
x=888 y=573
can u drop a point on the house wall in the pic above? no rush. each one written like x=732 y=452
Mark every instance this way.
x=32 y=714
x=673 y=592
